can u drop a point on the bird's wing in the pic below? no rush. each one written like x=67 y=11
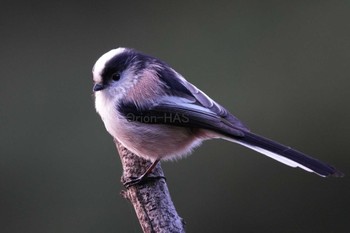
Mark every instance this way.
x=179 y=111
x=179 y=87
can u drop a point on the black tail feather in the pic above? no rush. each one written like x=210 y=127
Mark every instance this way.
x=321 y=168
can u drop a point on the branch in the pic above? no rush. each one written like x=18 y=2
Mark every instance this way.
x=151 y=200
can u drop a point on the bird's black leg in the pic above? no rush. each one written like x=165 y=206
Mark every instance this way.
x=144 y=176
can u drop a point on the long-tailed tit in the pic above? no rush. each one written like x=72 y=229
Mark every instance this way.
x=156 y=114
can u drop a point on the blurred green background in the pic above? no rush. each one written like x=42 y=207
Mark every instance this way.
x=280 y=66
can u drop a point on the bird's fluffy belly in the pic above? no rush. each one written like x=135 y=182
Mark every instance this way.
x=153 y=141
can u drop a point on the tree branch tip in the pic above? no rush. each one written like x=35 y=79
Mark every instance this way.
x=153 y=215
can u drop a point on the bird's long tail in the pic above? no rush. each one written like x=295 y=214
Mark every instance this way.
x=285 y=154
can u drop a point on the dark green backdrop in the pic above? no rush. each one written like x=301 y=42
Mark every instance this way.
x=280 y=66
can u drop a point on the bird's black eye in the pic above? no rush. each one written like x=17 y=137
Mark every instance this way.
x=116 y=76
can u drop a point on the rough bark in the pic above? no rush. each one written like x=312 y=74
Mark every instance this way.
x=151 y=200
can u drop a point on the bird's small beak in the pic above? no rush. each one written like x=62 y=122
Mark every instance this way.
x=98 y=87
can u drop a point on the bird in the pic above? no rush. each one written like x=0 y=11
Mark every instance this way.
x=157 y=114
